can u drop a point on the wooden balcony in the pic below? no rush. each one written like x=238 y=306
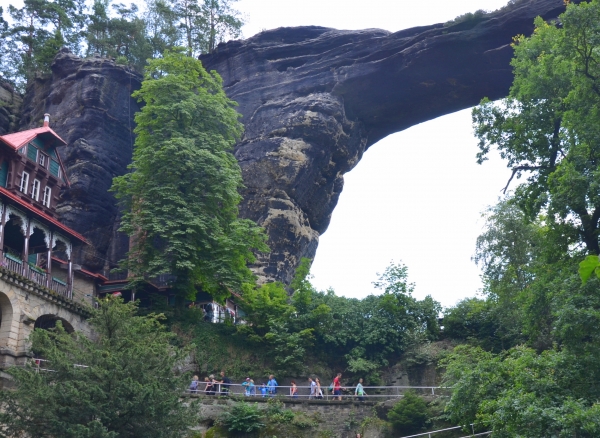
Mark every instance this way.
x=37 y=275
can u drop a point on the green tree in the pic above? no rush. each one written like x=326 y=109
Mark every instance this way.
x=547 y=128
x=124 y=34
x=181 y=197
x=409 y=415
x=162 y=26
x=120 y=383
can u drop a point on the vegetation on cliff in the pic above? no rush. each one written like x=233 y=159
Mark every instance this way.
x=180 y=198
x=31 y=35
x=533 y=361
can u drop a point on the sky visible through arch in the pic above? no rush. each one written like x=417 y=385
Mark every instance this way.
x=416 y=196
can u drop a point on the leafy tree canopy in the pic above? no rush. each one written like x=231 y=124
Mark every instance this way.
x=182 y=194
x=532 y=246
x=547 y=128
x=121 y=383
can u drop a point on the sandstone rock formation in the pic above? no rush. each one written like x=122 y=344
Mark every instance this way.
x=312 y=99
x=10 y=108
x=91 y=109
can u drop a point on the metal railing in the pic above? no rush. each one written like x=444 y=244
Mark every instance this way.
x=304 y=392
x=429 y=434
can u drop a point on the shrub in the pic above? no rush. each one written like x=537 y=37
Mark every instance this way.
x=243 y=417
x=409 y=415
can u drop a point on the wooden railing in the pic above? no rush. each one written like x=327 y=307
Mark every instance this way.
x=36 y=275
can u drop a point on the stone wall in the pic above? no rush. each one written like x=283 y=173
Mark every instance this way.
x=334 y=419
x=22 y=302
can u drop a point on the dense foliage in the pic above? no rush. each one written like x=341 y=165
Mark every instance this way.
x=120 y=383
x=409 y=415
x=359 y=336
x=182 y=194
x=532 y=360
x=31 y=35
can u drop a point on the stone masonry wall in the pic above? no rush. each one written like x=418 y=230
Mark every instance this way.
x=339 y=419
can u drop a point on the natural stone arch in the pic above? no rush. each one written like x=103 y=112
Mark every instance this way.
x=48 y=321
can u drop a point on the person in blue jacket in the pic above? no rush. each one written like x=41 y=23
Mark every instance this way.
x=272 y=385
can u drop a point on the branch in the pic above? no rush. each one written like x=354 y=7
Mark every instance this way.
x=517 y=169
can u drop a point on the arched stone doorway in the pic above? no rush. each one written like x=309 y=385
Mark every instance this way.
x=47 y=322
x=6 y=319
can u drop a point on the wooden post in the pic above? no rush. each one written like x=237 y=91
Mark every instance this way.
x=70 y=279
x=49 y=263
x=2 y=227
x=26 y=250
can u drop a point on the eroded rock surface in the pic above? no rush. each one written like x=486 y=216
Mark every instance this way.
x=91 y=109
x=313 y=100
x=10 y=108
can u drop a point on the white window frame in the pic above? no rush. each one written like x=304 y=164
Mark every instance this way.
x=47 y=196
x=42 y=159
x=59 y=171
x=23 y=150
x=35 y=189
x=24 y=182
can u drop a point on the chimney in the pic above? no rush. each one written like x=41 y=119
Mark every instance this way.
x=46 y=120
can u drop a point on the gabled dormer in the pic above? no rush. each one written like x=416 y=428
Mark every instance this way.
x=31 y=168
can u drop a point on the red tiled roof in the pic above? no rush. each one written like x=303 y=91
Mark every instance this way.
x=19 y=139
x=85 y=271
x=41 y=214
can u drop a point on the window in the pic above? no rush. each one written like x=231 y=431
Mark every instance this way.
x=59 y=173
x=54 y=168
x=24 y=182
x=47 y=196
x=42 y=159
x=23 y=150
x=35 y=190
x=32 y=153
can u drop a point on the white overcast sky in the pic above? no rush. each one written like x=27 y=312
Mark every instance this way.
x=417 y=195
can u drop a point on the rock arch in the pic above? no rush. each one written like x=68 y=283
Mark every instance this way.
x=313 y=100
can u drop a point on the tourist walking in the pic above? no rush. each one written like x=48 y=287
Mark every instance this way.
x=337 y=387
x=246 y=386
x=294 y=390
x=194 y=384
x=225 y=383
x=360 y=391
x=272 y=385
x=211 y=385
x=319 y=390
x=263 y=390
x=313 y=388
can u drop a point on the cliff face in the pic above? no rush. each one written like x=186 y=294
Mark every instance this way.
x=91 y=109
x=10 y=108
x=312 y=99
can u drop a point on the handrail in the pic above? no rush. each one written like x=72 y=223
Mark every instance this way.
x=428 y=434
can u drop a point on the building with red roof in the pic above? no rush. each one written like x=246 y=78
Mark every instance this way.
x=31 y=178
